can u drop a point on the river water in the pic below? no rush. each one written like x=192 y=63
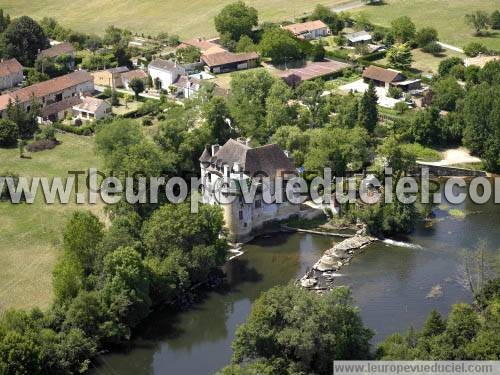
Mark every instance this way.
x=390 y=282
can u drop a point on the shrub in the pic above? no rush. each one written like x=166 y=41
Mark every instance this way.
x=43 y=144
x=432 y=47
x=400 y=107
x=146 y=121
x=8 y=133
x=458 y=71
x=425 y=36
x=475 y=48
x=78 y=130
x=395 y=92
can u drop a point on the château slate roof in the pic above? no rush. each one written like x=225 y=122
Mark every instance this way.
x=269 y=159
x=205 y=157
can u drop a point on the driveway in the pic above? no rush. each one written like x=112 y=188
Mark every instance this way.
x=360 y=86
x=455 y=156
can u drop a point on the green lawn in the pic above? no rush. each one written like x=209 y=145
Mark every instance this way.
x=447 y=16
x=426 y=62
x=31 y=233
x=187 y=18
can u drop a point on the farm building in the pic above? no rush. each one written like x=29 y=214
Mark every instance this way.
x=130 y=75
x=223 y=62
x=58 y=51
x=311 y=70
x=359 y=37
x=49 y=92
x=110 y=77
x=389 y=77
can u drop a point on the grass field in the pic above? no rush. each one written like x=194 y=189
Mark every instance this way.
x=426 y=62
x=447 y=16
x=191 y=18
x=31 y=233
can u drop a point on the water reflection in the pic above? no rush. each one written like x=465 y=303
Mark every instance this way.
x=390 y=284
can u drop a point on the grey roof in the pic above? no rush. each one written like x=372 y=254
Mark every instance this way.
x=269 y=159
x=119 y=69
x=162 y=64
x=359 y=36
x=205 y=157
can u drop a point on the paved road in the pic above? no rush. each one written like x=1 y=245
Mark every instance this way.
x=450 y=47
x=348 y=6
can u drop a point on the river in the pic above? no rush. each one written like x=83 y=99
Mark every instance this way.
x=390 y=282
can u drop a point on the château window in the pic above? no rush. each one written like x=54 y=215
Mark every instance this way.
x=258 y=204
x=241 y=215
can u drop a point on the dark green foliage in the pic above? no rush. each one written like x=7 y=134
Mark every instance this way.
x=473 y=49
x=432 y=47
x=489 y=292
x=293 y=330
x=137 y=86
x=280 y=46
x=236 y=20
x=22 y=40
x=247 y=102
x=403 y=29
x=219 y=121
x=495 y=20
x=481 y=116
x=318 y=52
x=368 y=112
x=447 y=92
x=330 y=18
x=448 y=63
x=8 y=133
x=26 y=122
x=426 y=35
x=246 y=44
x=399 y=56
x=426 y=127
x=188 y=55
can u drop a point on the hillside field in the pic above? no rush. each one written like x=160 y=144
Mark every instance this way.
x=446 y=16
x=31 y=234
x=191 y=18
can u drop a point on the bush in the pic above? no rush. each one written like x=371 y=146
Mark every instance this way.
x=41 y=145
x=400 y=107
x=78 y=130
x=8 y=133
x=147 y=121
x=432 y=47
x=395 y=92
x=474 y=48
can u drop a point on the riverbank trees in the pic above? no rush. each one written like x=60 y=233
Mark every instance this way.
x=291 y=330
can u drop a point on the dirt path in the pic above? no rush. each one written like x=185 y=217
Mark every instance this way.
x=450 y=47
x=456 y=156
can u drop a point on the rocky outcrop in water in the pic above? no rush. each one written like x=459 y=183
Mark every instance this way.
x=321 y=276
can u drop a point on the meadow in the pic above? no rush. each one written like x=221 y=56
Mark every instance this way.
x=31 y=234
x=446 y=16
x=188 y=19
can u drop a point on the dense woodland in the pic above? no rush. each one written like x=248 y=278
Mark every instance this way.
x=110 y=278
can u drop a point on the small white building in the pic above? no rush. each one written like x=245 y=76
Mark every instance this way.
x=91 y=109
x=165 y=72
x=358 y=37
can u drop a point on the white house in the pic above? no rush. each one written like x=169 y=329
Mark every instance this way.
x=165 y=72
x=308 y=30
x=91 y=109
x=11 y=74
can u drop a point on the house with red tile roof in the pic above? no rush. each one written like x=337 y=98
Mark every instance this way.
x=308 y=30
x=50 y=92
